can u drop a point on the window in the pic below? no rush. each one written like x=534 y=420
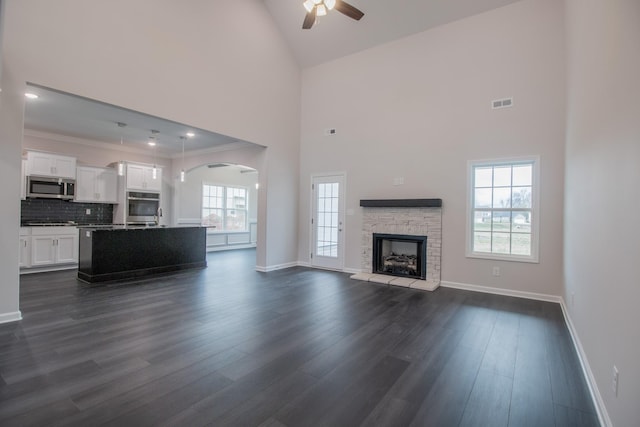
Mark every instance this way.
x=225 y=208
x=503 y=213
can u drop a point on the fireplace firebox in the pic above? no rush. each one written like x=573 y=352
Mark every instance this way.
x=400 y=255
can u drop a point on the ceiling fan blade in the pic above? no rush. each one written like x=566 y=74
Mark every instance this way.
x=351 y=11
x=309 y=19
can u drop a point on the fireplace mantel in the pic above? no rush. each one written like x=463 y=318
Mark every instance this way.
x=401 y=203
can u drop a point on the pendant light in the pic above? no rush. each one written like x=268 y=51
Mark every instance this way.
x=154 y=144
x=121 y=162
x=182 y=171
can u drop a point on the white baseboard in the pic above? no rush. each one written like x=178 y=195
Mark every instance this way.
x=501 y=291
x=47 y=268
x=230 y=247
x=303 y=264
x=603 y=415
x=10 y=317
x=269 y=268
x=343 y=270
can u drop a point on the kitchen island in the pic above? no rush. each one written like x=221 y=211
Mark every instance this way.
x=123 y=252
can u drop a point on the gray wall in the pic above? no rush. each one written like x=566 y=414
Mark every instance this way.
x=602 y=237
x=420 y=108
x=11 y=107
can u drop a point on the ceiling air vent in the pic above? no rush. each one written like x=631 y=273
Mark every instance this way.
x=502 y=103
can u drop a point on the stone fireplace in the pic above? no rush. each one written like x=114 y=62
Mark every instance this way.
x=408 y=220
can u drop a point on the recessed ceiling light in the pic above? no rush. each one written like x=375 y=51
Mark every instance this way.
x=31 y=95
x=191 y=134
x=151 y=143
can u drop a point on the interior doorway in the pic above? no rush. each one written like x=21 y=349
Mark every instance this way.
x=224 y=198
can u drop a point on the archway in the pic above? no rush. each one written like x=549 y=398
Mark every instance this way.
x=223 y=197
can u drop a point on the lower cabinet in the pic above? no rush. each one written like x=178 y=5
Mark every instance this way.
x=25 y=247
x=49 y=247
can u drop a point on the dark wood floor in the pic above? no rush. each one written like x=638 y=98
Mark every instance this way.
x=297 y=347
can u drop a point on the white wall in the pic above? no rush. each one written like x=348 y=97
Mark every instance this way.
x=602 y=249
x=192 y=64
x=419 y=108
x=11 y=106
x=1 y=33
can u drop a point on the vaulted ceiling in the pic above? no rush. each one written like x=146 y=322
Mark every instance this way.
x=335 y=35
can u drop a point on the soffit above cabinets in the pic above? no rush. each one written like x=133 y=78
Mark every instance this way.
x=59 y=113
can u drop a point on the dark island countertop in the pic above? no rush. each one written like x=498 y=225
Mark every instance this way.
x=124 y=252
x=131 y=227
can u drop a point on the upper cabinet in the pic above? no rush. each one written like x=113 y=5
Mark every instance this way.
x=51 y=165
x=96 y=185
x=140 y=177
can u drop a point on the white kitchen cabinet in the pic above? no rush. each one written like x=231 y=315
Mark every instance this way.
x=96 y=185
x=140 y=177
x=67 y=248
x=25 y=247
x=51 y=165
x=53 y=245
x=42 y=250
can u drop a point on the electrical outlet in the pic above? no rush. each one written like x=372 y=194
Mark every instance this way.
x=496 y=271
x=88 y=211
x=614 y=382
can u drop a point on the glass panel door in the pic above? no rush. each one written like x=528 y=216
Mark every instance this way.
x=327 y=221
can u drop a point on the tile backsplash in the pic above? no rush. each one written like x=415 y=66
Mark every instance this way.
x=54 y=210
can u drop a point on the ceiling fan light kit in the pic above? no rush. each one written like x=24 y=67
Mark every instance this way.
x=317 y=8
x=309 y=5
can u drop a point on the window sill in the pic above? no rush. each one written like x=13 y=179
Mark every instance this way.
x=498 y=257
x=218 y=231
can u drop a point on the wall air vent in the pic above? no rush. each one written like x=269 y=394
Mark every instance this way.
x=502 y=103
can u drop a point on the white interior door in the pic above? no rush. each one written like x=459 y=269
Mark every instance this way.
x=327 y=219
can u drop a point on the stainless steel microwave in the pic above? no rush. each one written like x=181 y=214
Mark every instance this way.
x=50 y=188
x=143 y=207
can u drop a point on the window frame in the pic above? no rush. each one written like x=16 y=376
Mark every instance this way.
x=224 y=208
x=535 y=208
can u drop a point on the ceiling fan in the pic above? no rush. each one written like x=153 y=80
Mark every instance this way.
x=317 y=8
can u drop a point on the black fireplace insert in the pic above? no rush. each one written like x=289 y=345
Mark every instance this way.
x=400 y=255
